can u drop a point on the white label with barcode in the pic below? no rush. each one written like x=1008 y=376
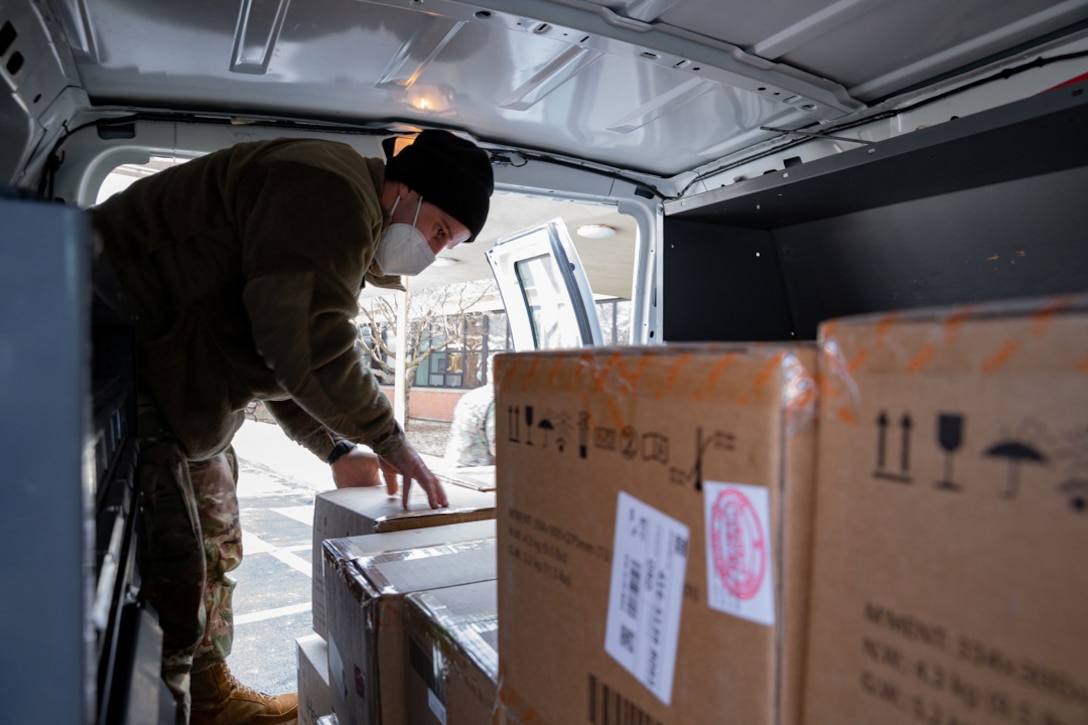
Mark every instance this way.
x=649 y=557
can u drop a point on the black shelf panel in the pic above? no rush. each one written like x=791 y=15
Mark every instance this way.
x=983 y=208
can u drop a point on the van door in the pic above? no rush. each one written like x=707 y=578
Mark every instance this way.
x=543 y=286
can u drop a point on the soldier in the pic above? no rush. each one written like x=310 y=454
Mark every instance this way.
x=244 y=267
x=472 y=432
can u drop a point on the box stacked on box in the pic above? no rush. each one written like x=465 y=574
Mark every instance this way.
x=377 y=523
x=453 y=654
x=360 y=511
x=368 y=653
x=653 y=528
x=313 y=679
x=949 y=576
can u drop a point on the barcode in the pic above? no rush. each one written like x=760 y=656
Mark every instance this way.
x=627 y=639
x=634 y=575
x=609 y=707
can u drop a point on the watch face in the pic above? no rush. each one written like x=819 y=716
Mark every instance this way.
x=339 y=450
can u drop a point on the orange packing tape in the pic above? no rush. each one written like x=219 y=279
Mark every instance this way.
x=858 y=360
x=507 y=374
x=513 y=704
x=1041 y=319
x=996 y=361
x=527 y=381
x=846 y=416
x=919 y=361
x=670 y=379
x=952 y=324
x=769 y=369
x=555 y=369
x=883 y=326
x=716 y=373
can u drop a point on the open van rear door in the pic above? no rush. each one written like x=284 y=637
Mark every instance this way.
x=543 y=285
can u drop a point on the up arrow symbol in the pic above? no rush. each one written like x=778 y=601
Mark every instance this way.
x=905 y=424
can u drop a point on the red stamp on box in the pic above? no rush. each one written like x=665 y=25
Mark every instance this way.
x=738 y=544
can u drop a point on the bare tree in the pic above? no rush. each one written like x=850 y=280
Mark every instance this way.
x=437 y=318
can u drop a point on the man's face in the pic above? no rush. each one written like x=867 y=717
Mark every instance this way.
x=440 y=229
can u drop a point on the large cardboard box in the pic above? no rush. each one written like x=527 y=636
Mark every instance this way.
x=453 y=654
x=358 y=511
x=480 y=478
x=367 y=643
x=653 y=528
x=313 y=679
x=950 y=574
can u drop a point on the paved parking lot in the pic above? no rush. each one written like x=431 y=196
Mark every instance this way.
x=277 y=482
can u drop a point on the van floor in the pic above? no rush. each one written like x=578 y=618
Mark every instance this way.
x=277 y=482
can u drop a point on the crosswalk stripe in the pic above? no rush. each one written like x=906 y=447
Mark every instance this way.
x=271 y=613
x=294 y=561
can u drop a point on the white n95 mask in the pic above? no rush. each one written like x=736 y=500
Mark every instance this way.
x=402 y=248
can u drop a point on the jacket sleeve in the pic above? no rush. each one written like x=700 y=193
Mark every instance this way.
x=301 y=427
x=308 y=230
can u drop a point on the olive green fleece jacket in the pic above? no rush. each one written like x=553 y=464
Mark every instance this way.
x=244 y=268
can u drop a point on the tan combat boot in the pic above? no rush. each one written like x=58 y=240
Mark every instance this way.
x=219 y=699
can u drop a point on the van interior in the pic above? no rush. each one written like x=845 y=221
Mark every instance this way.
x=757 y=168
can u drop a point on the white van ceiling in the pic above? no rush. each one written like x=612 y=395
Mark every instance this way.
x=654 y=86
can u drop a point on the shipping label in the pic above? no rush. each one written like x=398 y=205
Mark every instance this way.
x=649 y=560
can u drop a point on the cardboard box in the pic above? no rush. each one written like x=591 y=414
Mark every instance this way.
x=359 y=511
x=453 y=653
x=313 y=679
x=653 y=528
x=480 y=478
x=367 y=643
x=950 y=581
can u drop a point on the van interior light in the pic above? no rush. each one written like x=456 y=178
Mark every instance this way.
x=596 y=231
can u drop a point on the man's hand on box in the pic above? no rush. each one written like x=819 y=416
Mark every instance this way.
x=411 y=468
x=389 y=473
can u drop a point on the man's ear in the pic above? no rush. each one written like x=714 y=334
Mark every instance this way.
x=407 y=195
x=392 y=190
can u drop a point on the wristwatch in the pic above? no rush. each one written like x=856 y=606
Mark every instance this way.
x=339 y=450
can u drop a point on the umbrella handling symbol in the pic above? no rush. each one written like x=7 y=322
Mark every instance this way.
x=1016 y=453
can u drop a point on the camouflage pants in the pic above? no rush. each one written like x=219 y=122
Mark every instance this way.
x=190 y=539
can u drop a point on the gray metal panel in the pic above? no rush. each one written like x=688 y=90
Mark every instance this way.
x=511 y=72
x=661 y=87
x=656 y=87
x=46 y=637
x=1037 y=135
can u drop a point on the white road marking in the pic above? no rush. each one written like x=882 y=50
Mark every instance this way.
x=271 y=613
x=294 y=561
x=302 y=514
x=253 y=545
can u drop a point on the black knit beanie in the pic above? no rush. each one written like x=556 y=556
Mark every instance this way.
x=450 y=172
